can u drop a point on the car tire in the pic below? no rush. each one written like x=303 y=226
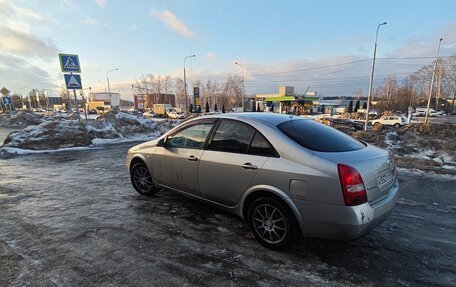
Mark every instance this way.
x=376 y=124
x=142 y=179
x=272 y=223
x=396 y=125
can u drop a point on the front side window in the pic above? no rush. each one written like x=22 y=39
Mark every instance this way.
x=232 y=136
x=192 y=137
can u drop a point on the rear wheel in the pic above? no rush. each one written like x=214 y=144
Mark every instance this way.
x=377 y=124
x=272 y=223
x=142 y=179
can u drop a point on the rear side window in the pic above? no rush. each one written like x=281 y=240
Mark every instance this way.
x=260 y=146
x=232 y=136
x=318 y=137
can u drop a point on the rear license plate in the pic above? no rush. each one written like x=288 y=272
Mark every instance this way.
x=384 y=179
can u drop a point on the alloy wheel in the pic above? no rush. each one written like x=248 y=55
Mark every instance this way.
x=269 y=223
x=143 y=179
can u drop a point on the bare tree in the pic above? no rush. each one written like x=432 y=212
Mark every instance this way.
x=180 y=92
x=421 y=80
x=143 y=86
x=233 y=91
x=390 y=90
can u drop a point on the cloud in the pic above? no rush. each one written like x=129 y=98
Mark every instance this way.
x=25 y=44
x=211 y=56
x=90 y=21
x=171 y=20
x=18 y=73
x=8 y=9
x=101 y=3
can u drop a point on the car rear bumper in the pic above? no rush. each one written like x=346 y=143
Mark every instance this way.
x=344 y=222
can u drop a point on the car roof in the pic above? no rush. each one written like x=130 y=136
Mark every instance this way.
x=269 y=118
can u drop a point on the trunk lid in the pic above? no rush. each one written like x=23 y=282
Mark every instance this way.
x=374 y=165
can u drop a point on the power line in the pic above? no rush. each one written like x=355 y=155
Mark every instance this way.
x=329 y=66
x=330 y=79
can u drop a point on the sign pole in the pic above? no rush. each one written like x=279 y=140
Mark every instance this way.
x=76 y=104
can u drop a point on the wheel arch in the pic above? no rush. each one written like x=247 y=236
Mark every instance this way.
x=267 y=191
x=137 y=158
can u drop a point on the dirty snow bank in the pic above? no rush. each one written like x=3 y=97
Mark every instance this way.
x=113 y=127
x=21 y=119
x=428 y=147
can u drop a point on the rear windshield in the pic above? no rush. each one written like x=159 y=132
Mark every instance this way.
x=318 y=137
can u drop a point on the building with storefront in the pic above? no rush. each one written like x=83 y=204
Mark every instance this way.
x=287 y=102
x=105 y=101
x=147 y=101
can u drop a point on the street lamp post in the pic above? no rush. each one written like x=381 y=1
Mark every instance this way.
x=372 y=77
x=243 y=80
x=109 y=88
x=432 y=83
x=185 y=84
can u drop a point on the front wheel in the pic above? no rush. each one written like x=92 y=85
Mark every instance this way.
x=396 y=125
x=142 y=179
x=272 y=223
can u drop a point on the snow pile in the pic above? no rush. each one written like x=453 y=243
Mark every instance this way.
x=20 y=119
x=50 y=135
x=112 y=127
x=28 y=118
x=430 y=147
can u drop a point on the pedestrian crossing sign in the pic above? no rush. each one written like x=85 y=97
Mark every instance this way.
x=73 y=81
x=69 y=63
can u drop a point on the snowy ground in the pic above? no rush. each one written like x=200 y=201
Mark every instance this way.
x=73 y=219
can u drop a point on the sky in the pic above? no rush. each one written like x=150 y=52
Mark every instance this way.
x=323 y=46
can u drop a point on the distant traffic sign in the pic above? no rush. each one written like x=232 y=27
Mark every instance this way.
x=73 y=81
x=5 y=92
x=69 y=63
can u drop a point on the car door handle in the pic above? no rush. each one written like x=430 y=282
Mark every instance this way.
x=192 y=158
x=248 y=165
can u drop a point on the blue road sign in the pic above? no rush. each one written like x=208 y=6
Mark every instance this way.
x=69 y=63
x=73 y=81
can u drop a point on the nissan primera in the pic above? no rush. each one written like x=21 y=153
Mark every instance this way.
x=284 y=175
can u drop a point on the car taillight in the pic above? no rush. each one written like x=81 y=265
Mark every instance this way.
x=352 y=185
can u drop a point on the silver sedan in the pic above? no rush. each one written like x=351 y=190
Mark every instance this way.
x=283 y=174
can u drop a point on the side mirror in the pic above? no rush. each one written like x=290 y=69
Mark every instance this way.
x=161 y=142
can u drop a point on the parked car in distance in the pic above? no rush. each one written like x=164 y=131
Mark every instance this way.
x=395 y=121
x=440 y=113
x=176 y=115
x=149 y=115
x=285 y=175
x=343 y=123
x=421 y=112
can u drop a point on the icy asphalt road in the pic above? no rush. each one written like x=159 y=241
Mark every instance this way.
x=73 y=219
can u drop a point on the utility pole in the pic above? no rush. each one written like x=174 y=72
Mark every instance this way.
x=372 y=77
x=432 y=82
x=185 y=85
x=243 y=85
x=109 y=88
